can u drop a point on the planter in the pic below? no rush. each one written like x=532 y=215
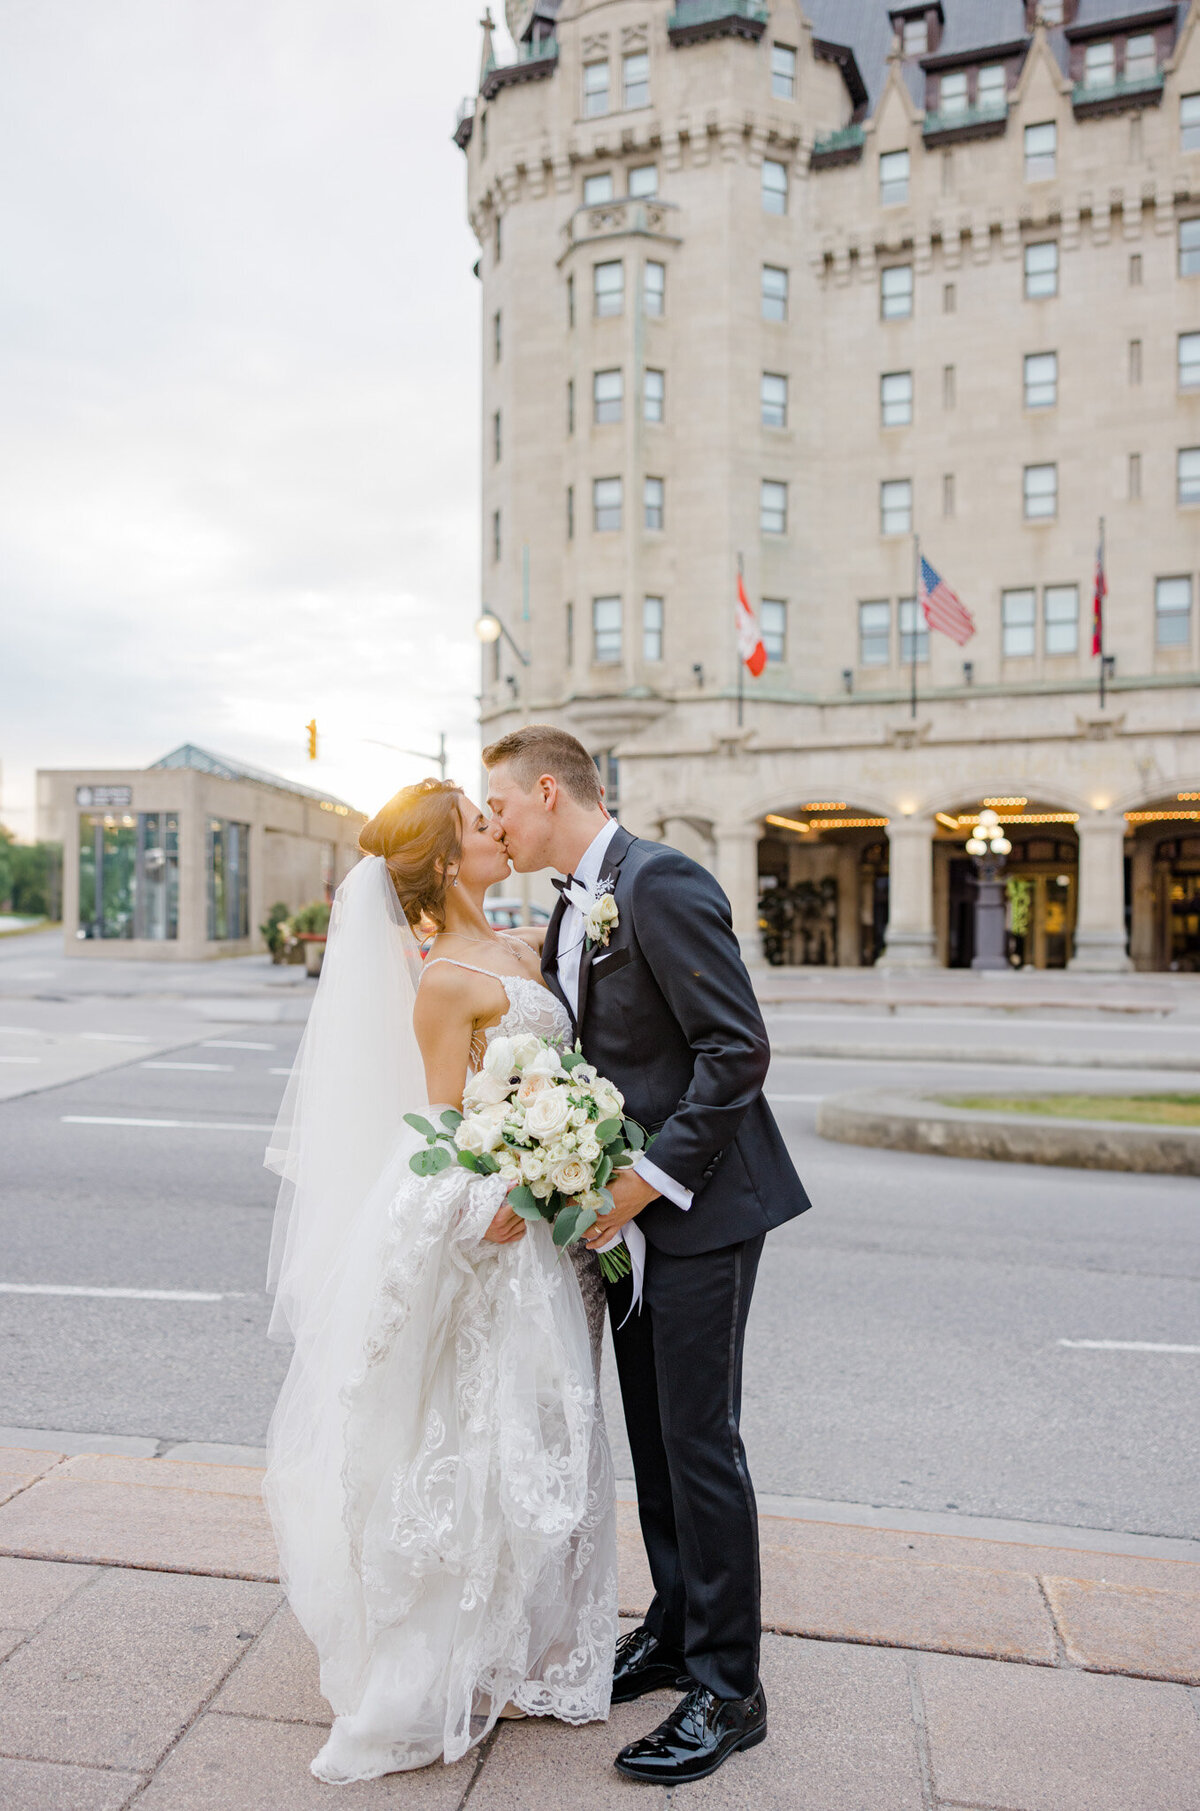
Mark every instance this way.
x=314 y=950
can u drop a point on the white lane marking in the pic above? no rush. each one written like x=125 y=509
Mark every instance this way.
x=1125 y=1345
x=20 y=1059
x=232 y=1044
x=22 y=1031
x=131 y=1295
x=113 y=1037
x=774 y=1096
x=279 y=1072
x=209 y=1068
x=1122 y=1022
x=174 y=1125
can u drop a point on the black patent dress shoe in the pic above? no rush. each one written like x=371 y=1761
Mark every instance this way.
x=644 y=1665
x=698 y=1737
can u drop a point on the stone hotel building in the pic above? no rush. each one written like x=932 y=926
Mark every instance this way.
x=791 y=284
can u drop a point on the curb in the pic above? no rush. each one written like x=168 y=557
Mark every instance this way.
x=907 y=1122
x=979 y=1055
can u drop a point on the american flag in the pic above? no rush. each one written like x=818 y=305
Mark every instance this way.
x=1098 y=597
x=942 y=609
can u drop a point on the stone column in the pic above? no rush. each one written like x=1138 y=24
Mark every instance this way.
x=848 y=930
x=910 y=939
x=737 y=871
x=1142 y=928
x=1100 y=917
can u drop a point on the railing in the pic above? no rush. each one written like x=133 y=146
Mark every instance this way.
x=690 y=15
x=533 y=61
x=466 y=110
x=539 y=50
x=848 y=138
x=1113 y=93
x=964 y=118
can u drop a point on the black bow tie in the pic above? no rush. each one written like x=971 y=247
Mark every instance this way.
x=564 y=885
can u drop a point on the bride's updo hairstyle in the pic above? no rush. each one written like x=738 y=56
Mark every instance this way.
x=419 y=835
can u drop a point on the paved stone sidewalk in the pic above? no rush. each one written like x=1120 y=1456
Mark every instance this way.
x=147 y=1656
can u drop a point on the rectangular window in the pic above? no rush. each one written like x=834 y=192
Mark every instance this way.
x=1189 y=122
x=896 y=292
x=495 y=534
x=1189 y=361
x=949 y=298
x=1172 y=612
x=948 y=494
x=1041 y=492
x=774 y=293
x=772 y=507
x=654 y=289
x=774 y=186
x=228 y=866
x=595 y=89
x=606 y=630
x=496 y=437
x=1188 y=474
x=774 y=400
x=1060 y=619
x=896 y=399
x=654 y=503
x=991 y=86
x=499 y=239
x=570 y=405
x=496 y=340
x=1041 y=380
x=597 y=189
x=635 y=70
x=654 y=386
x=1052 y=11
x=893 y=178
x=608 y=396
x=643 y=181
x=1018 y=624
x=609 y=287
x=1135 y=478
x=772 y=622
x=129 y=876
x=783 y=72
x=1041 y=145
x=1100 y=65
x=875 y=634
x=1135 y=361
x=1189 y=247
x=1141 y=57
x=913 y=627
x=1135 y=270
x=952 y=95
x=570 y=512
x=895 y=506
x=652 y=628
x=606 y=505
x=949 y=387
x=1041 y=270
x=915 y=37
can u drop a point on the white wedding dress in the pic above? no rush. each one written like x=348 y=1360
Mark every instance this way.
x=438 y=1479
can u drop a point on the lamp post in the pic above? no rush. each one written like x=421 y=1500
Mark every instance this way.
x=989 y=846
x=489 y=628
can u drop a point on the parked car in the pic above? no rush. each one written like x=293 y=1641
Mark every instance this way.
x=509 y=914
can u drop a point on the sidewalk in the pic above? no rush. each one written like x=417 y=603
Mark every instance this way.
x=146 y=1656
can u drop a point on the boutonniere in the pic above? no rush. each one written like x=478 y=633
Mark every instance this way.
x=600 y=920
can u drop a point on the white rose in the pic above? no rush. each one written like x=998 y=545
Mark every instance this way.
x=530 y=1087
x=509 y=1168
x=571 y=1177
x=533 y=1166
x=547 y=1116
x=483 y=1089
x=579 y=1117
x=610 y=1100
x=542 y=1190
x=524 y=1049
x=600 y=918
x=589 y=1150
x=498 y=1058
x=545 y=1063
x=477 y=1135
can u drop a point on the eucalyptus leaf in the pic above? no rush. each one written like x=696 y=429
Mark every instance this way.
x=429 y=1161
x=566 y=1225
x=587 y=1219
x=468 y=1161
x=571 y=1059
x=452 y=1119
x=607 y=1130
x=420 y=1125
x=524 y=1202
x=635 y=1138
x=623 y=1161
x=604 y=1170
x=486 y=1163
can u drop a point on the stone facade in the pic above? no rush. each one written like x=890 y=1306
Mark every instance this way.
x=663 y=295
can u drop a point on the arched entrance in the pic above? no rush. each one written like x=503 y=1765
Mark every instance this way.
x=1162 y=848
x=823 y=884
x=1041 y=875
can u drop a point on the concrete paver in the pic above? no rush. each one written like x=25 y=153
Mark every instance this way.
x=1124 y=1629
x=171 y=1530
x=30 y=1589
x=278 y=1678
x=556 y=1768
x=45 y=1786
x=113 y=1675
x=19 y=1468
x=244 y=1764
x=1038 y=1739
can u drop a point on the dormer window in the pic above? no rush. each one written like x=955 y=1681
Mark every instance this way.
x=914 y=37
x=1100 y=65
x=953 y=96
x=1052 y=11
x=1141 y=57
x=991 y=86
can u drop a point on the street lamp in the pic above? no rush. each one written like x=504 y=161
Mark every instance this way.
x=489 y=628
x=989 y=846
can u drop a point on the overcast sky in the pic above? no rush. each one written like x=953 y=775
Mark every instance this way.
x=238 y=368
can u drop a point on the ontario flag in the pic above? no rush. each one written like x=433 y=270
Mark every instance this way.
x=1098 y=597
x=749 y=637
x=942 y=609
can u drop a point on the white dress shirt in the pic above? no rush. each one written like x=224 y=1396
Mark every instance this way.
x=571 y=935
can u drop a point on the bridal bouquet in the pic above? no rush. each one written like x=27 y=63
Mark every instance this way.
x=543 y=1119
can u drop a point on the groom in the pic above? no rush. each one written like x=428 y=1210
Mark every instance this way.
x=665 y=1009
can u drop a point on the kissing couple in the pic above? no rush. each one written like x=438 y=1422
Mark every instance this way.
x=439 y=1478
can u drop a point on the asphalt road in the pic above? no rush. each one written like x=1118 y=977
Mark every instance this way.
x=904 y=1343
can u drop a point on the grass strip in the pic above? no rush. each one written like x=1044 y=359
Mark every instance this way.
x=1141 y=1109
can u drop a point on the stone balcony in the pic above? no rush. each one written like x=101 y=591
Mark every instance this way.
x=694 y=21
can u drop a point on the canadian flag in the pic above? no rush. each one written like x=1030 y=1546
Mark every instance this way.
x=749 y=636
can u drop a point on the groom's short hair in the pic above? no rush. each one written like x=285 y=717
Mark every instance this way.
x=540 y=748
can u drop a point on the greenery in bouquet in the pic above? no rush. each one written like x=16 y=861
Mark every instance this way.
x=543 y=1119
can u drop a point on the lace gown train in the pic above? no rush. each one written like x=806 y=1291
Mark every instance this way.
x=439 y=1478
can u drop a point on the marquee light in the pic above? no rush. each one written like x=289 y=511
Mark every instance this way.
x=851 y=823
x=1187 y=795
x=836 y=805
x=1014 y=803
x=1153 y=817
x=1028 y=817
x=786 y=823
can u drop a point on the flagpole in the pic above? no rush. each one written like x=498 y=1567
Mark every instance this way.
x=916 y=616
x=741 y=665
x=1101 y=569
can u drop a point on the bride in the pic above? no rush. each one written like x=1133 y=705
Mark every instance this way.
x=438 y=1475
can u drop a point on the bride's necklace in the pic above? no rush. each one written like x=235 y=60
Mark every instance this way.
x=465 y=937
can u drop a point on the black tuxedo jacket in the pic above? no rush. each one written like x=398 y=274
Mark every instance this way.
x=668 y=1013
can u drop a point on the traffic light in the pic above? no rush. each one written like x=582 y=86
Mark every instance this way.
x=312 y=739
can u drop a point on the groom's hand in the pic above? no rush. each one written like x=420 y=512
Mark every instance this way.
x=505 y=1227
x=630 y=1193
